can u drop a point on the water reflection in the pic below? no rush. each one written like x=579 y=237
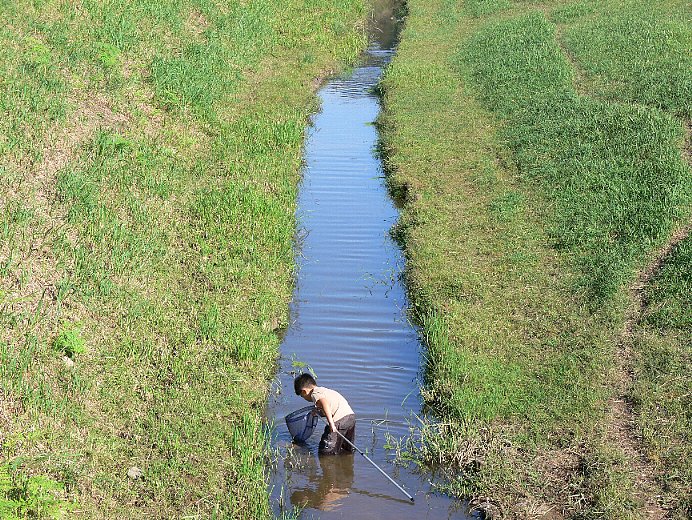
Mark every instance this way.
x=328 y=481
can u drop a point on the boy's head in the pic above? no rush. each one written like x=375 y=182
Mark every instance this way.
x=303 y=385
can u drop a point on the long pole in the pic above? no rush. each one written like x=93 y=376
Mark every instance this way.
x=376 y=466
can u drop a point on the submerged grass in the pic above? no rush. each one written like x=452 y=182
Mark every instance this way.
x=541 y=173
x=150 y=157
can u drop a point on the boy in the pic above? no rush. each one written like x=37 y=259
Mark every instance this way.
x=332 y=405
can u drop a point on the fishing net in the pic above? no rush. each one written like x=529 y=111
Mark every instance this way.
x=301 y=423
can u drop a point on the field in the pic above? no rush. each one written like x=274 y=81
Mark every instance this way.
x=150 y=157
x=542 y=149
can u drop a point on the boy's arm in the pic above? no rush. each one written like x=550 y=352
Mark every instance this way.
x=323 y=405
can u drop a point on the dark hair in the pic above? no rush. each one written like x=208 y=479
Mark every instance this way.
x=302 y=381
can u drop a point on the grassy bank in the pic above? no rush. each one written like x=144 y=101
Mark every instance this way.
x=150 y=156
x=539 y=148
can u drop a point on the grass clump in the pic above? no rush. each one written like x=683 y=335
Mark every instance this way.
x=69 y=341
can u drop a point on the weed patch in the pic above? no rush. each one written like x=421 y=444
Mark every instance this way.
x=30 y=497
x=69 y=341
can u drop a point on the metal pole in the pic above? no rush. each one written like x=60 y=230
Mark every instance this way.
x=376 y=466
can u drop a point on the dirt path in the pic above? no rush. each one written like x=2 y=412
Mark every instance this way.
x=623 y=430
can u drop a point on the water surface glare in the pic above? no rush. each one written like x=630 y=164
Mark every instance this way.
x=348 y=316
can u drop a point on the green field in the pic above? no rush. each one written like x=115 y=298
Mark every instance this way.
x=540 y=149
x=150 y=158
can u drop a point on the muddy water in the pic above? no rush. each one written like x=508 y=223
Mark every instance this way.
x=348 y=316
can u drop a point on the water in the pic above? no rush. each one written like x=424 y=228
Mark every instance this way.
x=348 y=316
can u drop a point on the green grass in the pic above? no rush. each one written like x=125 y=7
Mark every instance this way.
x=30 y=497
x=611 y=174
x=151 y=154
x=636 y=52
x=535 y=194
x=484 y=7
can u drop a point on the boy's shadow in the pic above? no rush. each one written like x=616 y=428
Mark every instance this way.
x=328 y=489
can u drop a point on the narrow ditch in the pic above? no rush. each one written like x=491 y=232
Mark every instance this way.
x=349 y=321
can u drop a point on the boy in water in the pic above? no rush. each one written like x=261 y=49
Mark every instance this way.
x=334 y=407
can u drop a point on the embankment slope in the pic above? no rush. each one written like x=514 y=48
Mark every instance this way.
x=150 y=157
x=540 y=149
